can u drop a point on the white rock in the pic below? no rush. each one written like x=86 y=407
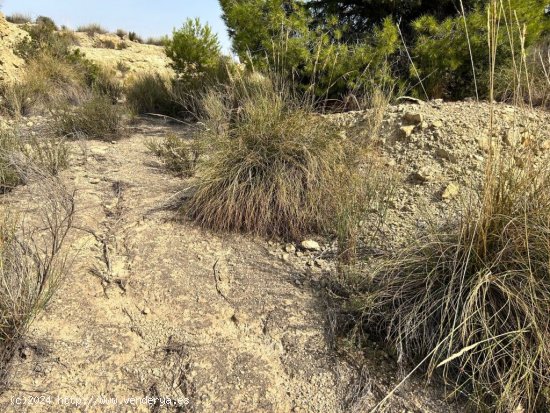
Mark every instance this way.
x=450 y=192
x=310 y=245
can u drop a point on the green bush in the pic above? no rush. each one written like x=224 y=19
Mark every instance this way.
x=44 y=38
x=96 y=119
x=194 y=50
x=46 y=21
x=442 y=53
x=283 y=37
x=178 y=156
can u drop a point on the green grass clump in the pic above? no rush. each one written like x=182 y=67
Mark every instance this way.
x=178 y=156
x=97 y=118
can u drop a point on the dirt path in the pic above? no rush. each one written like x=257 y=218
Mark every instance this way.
x=159 y=307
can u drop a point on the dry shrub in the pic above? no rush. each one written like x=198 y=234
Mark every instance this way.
x=97 y=118
x=92 y=29
x=276 y=168
x=19 y=18
x=178 y=156
x=150 y=93
x=47 y=82
x=21 y=154
x=107 y=44
x=32 y=263
x=473 y=299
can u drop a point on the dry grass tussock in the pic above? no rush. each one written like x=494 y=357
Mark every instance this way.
x=32 y=263
x=275 y=167
x=21 y=154
x=470 y=300
x=97 y=118
x=47 y=82
x=177 y=154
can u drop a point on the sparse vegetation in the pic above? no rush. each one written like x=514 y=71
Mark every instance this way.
x=19 y=155
x=150 y=93
x=108 y=44
x=92 y=28
x=134 y=37
x=19 y=18
x=178 y=156
x=97 y=118
x=48 y=82
x=32 y=264
x=157 y=41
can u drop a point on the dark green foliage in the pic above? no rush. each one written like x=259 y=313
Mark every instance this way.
x=334 y=47
x=357 y=17
x=282 y=35
x=48 y=21
x=134 y=37
x=194 y=50
x=442 y=56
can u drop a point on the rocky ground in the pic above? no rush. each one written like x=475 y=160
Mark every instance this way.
x=156 y=306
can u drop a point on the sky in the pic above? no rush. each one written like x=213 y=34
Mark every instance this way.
x=148 y=18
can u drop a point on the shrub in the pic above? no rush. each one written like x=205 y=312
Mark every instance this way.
x=122 y=67
x=150 y=93
x=122 y=46
x=194 y=49
x=442 y=49
x=108 y=44
x=20 y=155
x=473 y=299
x=92 y=29
x=121 y=33
x=96 y=119
x=276 y=169
x=43 y=38
x=134 y=37
x=157 y=41
x=50 y=154
x=9 y=175
x=46 y=21
x=18 y=18
x=47 y=82
x=177 y=155
x=32 y=263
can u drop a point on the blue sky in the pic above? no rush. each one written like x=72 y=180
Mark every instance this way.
x=145 y=17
